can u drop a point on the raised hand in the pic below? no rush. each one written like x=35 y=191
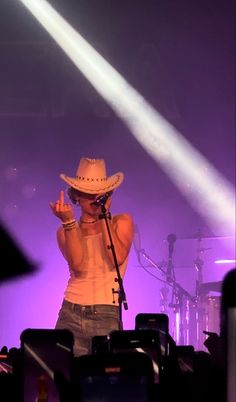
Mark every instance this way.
x=61 y=210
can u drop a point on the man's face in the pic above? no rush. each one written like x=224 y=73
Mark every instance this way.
x=85 y=202
x=88 y=197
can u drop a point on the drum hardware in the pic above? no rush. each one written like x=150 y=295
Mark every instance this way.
x=206 y=310
x=178 y=296
x=204 y=249
x=210 y=287
x=191 y=314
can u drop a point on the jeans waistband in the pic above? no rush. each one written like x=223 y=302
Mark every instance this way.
x=91 y=308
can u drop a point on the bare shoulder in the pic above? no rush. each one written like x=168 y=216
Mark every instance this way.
x=123 y=223
x=125 y=217
x=124 y=228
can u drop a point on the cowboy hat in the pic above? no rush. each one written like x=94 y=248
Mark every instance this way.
x=91 y=177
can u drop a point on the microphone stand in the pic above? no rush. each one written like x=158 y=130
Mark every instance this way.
x=121 y=292
x=153 y=263
x=164 y=291
x=171 y=282
x=171 y=238
x=201 y=318
x=178 y=292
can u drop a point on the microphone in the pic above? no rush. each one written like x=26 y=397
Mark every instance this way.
x=171 y=238
x=100 y=200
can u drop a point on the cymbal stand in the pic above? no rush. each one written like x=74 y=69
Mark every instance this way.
x=181 y=315
x=181 y=331
x=198 y=263
x=164 y=290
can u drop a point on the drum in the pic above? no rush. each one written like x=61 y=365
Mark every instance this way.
x=208 y=318
x=213 y=314
x=189 y=322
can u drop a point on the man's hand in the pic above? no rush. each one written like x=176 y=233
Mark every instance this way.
x=61 y=210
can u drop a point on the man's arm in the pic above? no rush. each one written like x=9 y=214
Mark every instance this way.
x=121 y=228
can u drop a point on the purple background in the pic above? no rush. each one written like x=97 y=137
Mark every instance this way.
x=180 y=55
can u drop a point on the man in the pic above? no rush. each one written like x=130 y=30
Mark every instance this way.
x=91 y=303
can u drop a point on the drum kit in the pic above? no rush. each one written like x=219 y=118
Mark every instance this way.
x=201 y=312
x=189 y=315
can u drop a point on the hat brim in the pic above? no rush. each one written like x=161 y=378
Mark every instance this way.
x=94 y=187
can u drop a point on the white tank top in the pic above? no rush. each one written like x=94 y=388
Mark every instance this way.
x=93 y=285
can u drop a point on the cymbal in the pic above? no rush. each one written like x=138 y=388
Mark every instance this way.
x=200 y=236
x=210 y=286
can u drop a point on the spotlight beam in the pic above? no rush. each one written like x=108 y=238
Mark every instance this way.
x=210 y=194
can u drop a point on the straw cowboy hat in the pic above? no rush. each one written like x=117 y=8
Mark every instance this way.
x=91 y=177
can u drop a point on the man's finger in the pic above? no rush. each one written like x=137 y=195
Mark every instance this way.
x=61 y=197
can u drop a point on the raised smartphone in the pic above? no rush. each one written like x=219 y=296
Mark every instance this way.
x=114 y=377
x=158 y=322
x=46 y=356
x=142 y=341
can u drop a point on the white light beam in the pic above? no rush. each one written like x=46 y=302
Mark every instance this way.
x=207 y=191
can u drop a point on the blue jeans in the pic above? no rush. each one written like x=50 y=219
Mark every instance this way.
x=87 y=321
